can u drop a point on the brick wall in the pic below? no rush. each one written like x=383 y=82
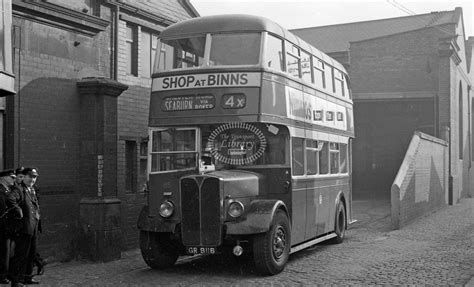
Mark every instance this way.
x=405 y=62
x=43 y=120
x=421 y=185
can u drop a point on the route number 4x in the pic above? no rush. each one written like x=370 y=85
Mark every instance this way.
x=235 y=101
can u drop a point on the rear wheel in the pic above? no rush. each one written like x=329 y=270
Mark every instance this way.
x=340 y=224
x=271 y=249
x=158 y=250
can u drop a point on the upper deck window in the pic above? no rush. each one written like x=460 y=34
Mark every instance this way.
x=181 y=53
x=235 y=49
x=306 y=67
x=274 y=53
x=293 y=63
x=338 y=83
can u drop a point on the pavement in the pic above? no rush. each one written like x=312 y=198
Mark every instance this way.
x=435 y=250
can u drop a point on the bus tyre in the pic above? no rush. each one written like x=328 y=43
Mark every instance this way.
x=272 y=248
x=158 y=250
x=340 y=224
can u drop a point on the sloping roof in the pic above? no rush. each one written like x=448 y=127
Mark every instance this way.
x=337 y=38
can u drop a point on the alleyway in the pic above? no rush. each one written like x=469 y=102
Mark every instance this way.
x=434 y=250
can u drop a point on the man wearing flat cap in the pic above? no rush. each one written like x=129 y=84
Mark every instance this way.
x=7 y=180
x=25 y=209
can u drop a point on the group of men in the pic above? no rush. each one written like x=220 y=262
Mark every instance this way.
x=19 y=225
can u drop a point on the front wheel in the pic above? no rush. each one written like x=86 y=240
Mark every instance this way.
x=340 y=224
x=158 y=250
x=271 y=249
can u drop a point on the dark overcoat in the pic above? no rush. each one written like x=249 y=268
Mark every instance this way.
x=25 y=214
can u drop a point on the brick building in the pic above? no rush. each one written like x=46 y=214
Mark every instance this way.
x=82 y=76
x=6 y=65
x=407 y=73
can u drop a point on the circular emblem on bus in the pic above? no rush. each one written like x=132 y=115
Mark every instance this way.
x=237 y=143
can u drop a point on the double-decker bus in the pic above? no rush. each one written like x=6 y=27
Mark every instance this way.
x=249 y=149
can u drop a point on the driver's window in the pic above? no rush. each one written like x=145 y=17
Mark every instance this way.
x=173 y=149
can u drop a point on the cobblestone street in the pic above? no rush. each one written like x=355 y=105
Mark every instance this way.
x=434 y=250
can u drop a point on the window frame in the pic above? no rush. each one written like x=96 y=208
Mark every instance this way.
x=151 y=152
x=133 y=42
x=292 y=54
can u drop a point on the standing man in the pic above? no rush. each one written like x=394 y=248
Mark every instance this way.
x=7 y=180
x=19 y=175
x=26 y=210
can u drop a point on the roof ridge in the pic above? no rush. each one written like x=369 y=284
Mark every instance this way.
x=380 y=20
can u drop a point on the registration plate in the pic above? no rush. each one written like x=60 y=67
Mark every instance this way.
x=201 y=250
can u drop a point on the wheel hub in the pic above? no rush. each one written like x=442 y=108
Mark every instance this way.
x=279 y=242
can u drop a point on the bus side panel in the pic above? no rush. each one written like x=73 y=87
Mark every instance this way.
x=298 y=197
x=329 y=189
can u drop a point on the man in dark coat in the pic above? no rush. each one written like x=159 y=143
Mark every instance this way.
x=7 y=178
x=26 y=214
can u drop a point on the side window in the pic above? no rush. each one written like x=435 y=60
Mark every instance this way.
x=334 y=157
x=274 y=53
x=293 y=64
x=297 y=148
x=306 y=67
x=328 y=78
x=323 y=158
x=346 y=87
x=343 y=158
x=319 y=74
x=338 y=83
x=312 y=157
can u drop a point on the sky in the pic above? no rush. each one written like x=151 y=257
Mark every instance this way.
x=311 y=13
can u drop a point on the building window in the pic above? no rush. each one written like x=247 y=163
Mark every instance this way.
x=147 y=53
x=3 y=5
x=460 y=123
x=90 y=7
x=132 y=50
x=130 y=166
x=143 y=164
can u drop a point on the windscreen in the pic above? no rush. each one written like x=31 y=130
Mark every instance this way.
x=181 y=53
x=225 y=50
x=235 y=49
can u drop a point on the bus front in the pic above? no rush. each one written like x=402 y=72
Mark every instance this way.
x=217 y=174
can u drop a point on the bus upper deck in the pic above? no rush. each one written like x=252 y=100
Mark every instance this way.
x=268 y=75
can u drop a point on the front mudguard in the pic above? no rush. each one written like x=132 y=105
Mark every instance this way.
x=155 y=223
x=258 y=218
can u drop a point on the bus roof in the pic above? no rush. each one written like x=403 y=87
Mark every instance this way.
x=241 y=23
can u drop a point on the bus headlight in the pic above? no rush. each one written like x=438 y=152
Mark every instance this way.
x=236 y=208
x=166 y=209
